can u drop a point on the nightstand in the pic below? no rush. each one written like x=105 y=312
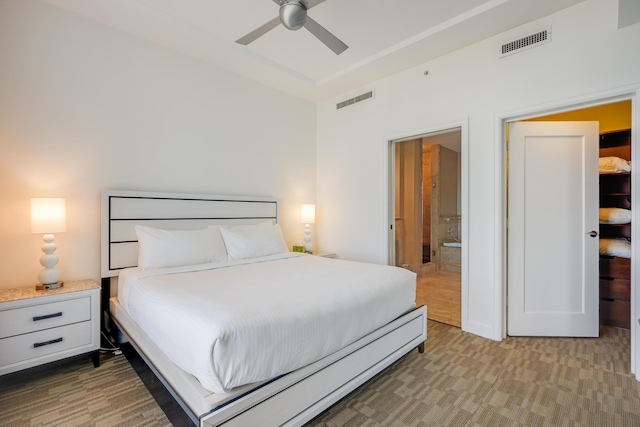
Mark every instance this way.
x=325 y=254
x=38 y=327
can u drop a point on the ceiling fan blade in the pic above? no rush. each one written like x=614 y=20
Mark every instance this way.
x=331 y=41
x=260 y=31
x=308 y=4
x=312 y=3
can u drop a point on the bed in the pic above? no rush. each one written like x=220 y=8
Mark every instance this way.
x=340 y=336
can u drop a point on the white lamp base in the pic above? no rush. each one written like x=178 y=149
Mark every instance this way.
x=308 y=248
x=49 y=286
x=49 y=277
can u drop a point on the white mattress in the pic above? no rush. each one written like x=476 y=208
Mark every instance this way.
x=240 y=322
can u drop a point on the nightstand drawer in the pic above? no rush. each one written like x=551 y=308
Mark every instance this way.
x=21 y=348
x=44 y=316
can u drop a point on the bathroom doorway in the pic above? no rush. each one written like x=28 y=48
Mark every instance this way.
x=428 y=219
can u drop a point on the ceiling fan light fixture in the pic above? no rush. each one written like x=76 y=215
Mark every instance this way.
x=293 y=15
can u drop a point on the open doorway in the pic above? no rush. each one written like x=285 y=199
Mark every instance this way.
x=428 y=219
x=615 y=116
x=615 y=196
x=612 y=299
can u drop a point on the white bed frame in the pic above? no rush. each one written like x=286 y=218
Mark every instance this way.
x=292 y=399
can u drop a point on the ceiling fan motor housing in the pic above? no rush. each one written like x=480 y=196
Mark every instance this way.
x=293 y=15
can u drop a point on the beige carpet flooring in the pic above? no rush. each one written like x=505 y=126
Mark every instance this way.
x=460 y=380
x=74 y=393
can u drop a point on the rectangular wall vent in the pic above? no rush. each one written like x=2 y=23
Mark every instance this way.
x=526 y=42
x=354 y=100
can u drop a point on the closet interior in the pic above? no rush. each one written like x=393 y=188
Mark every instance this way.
x=615 y=228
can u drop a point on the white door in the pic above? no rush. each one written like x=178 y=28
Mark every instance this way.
x=553 y=282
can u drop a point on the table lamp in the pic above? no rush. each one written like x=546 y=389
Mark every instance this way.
x=48 y=216
x=308 y=217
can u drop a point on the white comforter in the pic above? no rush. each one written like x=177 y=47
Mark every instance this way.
x=236 y=323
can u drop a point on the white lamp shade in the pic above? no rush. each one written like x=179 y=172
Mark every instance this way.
x=308 y=214
x=48 y=215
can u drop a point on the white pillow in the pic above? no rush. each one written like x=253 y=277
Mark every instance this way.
x=159 y=248
x=615 y=216
x=615 y=247
x=251 y=241
x=613 y=165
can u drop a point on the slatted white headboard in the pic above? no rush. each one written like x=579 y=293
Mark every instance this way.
x=122 y=210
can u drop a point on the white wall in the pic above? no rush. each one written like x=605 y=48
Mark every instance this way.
x=84 y=108
x=588 y=53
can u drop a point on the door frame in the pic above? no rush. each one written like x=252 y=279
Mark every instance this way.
x=631 y=93
x=389 y=145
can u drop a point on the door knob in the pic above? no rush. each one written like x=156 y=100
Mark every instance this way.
x=593 y=233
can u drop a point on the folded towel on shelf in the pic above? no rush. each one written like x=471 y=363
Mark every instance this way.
x=613 y=165
x=614 y=216
x=615 y=247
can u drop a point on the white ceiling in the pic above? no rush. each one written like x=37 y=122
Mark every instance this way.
x=384 y=37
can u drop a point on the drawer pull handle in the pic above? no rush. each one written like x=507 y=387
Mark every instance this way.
x=47 y=316
x=40 y=344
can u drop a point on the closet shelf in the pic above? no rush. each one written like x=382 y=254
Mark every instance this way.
x=615 y=139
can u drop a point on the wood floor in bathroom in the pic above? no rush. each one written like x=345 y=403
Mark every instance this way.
x=440 y=292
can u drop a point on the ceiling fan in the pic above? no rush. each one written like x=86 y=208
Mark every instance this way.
x=293 y=15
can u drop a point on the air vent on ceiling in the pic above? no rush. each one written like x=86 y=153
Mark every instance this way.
x=355 y=100
x=526 y=42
